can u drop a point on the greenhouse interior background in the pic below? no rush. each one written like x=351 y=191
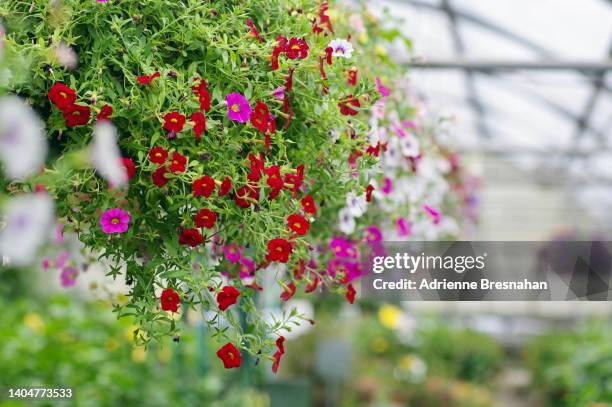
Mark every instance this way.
x=522 y=92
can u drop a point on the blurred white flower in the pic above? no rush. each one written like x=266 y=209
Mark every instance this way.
x=28 y=221
x=66 y=56
x=347 y=221
x=392 y=157
x=409 y=145
x=342 y=48
x=105 y=155
x=356 y=23
x=356 y=205
x=22 y=142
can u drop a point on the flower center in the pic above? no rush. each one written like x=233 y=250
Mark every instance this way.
x=174 y=120
x=64 y=95
x=279 y=249
x=235 y=108
x=158 y=155
x=297 y=224
x=340 y=50
x=295 y=47
x=231 y=356
x=76 y=113
x=115 y=221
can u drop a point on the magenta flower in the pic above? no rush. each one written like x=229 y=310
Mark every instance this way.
x=373 y=234
x=233 y=253
x=403 y=228
x=247 y=268
x=68 y=276
x=384 y=92
x=114 y=220
x=435 y=215
x=62 y=259
x=343 y=248
x=279 y=93
x=238 y=108
x=387 y=186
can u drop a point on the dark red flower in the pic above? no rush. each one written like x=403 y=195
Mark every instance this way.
x=201 y=90
x=76 y=115
x=174 y=122
x=313 y=285
x=324 y=18
x=352 y=76
x=350 y=293
x=280 y=346
x=203 y=186
x=191 y=237
x=105 y=113
x=279 y=250
x=225 y=187
x=205 y=218
x=295 y=181
x=296 y=48
x=321 y=69
x=170 y=300
x=256 y=166
x=61 y=95
x=246 y=196
x=281 y=46
x=227 y=296
x=288 y=292
x=347 y=106
x=158 y=155
x=298 y=224
x=147 y=79
x=253 y=30
x=369 y=189
x=159 y=177
x=298 y=272
x=329 y=53
x=130 y=168
x=177 y=163
x=260 y=117
x=274 y=180
x=289 y=80
x=229 y=355
x=308 y=204
x=199 y=126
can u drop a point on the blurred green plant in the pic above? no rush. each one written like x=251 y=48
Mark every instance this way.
x=573 y=368
x=66 y=344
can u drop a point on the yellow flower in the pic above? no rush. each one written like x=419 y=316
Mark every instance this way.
x=34 y=322
x=139 y=355
x=389 y=316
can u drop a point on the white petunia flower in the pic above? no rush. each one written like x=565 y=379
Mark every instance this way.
x=105 y=155
x=66 y=56
x=356 y=205
x=22 y=142
x=409 y=145
x=347 y=221
x=28 y=221
x=342 y=48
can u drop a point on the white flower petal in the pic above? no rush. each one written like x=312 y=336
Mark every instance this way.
x=105 y=155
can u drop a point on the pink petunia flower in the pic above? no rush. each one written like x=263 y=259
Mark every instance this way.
x=403 y=228
x=233 y=253
x=279 y=93
x=115 y=220
x=238 y=108
x=373 y=234
x=435 y=215
x=384 y=91
x=68 y=276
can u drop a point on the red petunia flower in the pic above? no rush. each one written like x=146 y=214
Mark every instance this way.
x=296 y=48
x=158 y=155
x=174 y=122
x=147 y=79
x=298 y=224
x=61 y=95
x=347 y=106
x=199 y=124
x=225 y=187
x=253 y=30
x=313 y=285
x=295 y=180
x=260 y=117
x=246 y=196
x=201 y=90
x=324 y=18
x=329 y=53
x=170 y=300
x=288 y=292
x=280 y=346
x=289 y=80
x=308 y=204
x=205 y=218
x=352 y=76
x=256 y=165
x=279 y=249
x=177 y=163
x=227 y=296
x=350 y=293
x=229 y=355
x=369 y=189
x=159 y=177
x=279 y=48
x=105 y=113
x=76 y=115
x=203 y=186
x=322 y=69
x=130 y=168
x=274 y=180
x=191 y=237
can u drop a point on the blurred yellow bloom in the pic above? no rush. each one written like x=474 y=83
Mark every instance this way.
x=112 y=344
x=389 y=316
x=164 y=354
x=129 y=333
x=34 y=322
x=139 y=354
x=380 y=344
x=406 y=362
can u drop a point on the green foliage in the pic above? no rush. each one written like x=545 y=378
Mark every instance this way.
x=573 y=368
